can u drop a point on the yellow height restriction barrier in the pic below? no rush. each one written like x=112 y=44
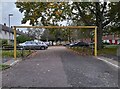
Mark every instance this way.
x=15 y=43
x=95 y=51
x=71 y=27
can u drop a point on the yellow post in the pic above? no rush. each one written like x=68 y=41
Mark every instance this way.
x=15 y=43
x=95 y=51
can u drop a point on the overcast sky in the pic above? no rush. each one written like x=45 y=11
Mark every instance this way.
x=10 y=8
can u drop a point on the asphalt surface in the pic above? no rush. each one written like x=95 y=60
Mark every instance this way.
x=60 y=67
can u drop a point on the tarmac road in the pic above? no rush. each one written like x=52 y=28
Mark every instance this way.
x=60 y=67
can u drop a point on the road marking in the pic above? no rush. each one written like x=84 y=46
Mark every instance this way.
x=108 y=62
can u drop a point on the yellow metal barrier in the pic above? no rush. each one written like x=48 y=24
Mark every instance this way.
x=71 y=27
x=95 y=51
x=15 y=43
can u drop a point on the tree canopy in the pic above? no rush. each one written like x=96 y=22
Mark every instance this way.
x=102 y=14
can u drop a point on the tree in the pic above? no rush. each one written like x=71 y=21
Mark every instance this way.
x=36 y=32
x=23 y=38
x=101 y=14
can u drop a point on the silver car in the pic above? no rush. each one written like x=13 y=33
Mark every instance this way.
x=33 y=45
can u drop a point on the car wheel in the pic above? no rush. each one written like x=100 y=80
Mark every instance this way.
x=42 y=48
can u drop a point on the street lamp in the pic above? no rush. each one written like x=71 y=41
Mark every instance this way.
x=9 y=18
x=9 y=26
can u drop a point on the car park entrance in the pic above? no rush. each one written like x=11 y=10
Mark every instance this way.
x=51 y=27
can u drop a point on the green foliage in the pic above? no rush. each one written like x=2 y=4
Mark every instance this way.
x=23 y=38
x=34 y=10
x=100 y=14
x=3 y=67
x=4 y=42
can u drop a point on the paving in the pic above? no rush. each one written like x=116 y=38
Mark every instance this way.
x=60 y=67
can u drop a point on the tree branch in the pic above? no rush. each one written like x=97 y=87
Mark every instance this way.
x=105 y=3
x=81 y=14
x=91 y=10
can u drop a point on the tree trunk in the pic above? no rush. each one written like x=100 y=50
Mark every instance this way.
x=99 y=25
x=99 y=36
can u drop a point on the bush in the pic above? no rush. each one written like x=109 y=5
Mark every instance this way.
x=4 y=42
x=23 y=38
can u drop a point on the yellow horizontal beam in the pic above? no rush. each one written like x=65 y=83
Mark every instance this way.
x=72 y=27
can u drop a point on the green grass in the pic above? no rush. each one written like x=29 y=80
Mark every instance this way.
x=10 y=53
x=3 y=66
x=81 y=50
x=108 y=50
x=111 y=46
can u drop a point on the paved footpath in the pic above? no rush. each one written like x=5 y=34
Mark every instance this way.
x=60 y=67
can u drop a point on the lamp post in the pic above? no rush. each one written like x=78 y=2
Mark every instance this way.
x=9 y=26
x=9 y=18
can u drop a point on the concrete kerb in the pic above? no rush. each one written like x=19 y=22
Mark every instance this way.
x=13 y=62
x=109 y=61
x=104 y=59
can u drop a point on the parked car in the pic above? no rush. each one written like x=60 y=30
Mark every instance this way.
x=47 y=43
x=80 y=44
x=42 y=45
x=66 y=44
x=33 y=45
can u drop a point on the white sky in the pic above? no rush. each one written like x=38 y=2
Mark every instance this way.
x=10 y=8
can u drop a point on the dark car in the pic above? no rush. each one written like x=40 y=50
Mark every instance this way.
x=80 y=44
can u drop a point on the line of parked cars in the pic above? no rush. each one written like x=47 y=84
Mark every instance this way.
x=34 y=45
x=80 y=44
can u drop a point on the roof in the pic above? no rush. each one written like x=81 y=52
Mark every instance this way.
x=111 y=37
x=8 y=29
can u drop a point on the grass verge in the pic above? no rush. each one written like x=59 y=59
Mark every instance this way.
x=3 y=67
x=108 y=50
x=83 y=51
x=10 y=53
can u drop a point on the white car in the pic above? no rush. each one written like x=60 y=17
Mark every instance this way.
x=33 y=45
x=42 y=45
x=47 y=43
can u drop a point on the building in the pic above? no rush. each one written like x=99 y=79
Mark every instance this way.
x=112 y=39
x=7 y=33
